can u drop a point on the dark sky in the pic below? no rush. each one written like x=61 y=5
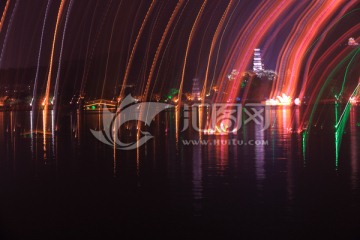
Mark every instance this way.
x=87 y=55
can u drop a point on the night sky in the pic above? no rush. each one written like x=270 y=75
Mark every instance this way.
x=100 y=36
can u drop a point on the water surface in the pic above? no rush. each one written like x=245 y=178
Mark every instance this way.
x=59 y=181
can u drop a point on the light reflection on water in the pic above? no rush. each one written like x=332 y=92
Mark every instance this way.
x=283 y=144
x=260 y=182
x=354 y=141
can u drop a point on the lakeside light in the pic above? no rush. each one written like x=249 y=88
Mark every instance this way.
x=282 y=100
x=272 y=102
x=353 y=100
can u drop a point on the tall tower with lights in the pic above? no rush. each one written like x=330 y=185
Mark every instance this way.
x=257 y=63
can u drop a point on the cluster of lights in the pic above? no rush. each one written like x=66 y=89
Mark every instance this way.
x=219 y=130
x=44 y=102
x=233 y=75
x=283 y=100
x=353 y=100
x=225 y=127
x=352 y=42
x=191 y=98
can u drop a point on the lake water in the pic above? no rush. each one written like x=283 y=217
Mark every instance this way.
x=59 y=181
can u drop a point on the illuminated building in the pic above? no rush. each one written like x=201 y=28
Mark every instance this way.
x=257 y=63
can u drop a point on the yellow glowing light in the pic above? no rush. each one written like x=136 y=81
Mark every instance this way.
x=282 y=100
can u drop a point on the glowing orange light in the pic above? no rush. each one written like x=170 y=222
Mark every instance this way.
x=282 y=100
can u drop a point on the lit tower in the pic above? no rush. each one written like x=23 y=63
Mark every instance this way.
x=196 y=90
x=257 y=63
